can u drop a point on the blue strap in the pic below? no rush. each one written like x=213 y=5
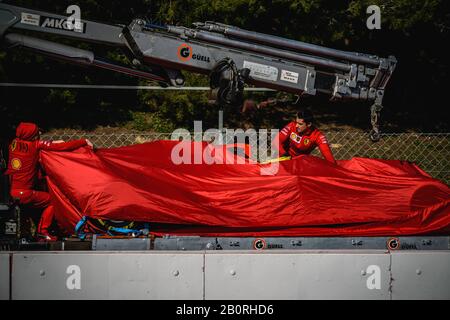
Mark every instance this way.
x=80 y=225
x=124 y=231
x=79 y=228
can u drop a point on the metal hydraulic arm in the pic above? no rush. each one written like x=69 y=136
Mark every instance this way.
x=232 y=57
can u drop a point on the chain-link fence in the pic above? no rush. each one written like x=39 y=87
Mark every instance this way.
x=431 y=151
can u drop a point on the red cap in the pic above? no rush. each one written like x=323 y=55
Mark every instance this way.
x=27 y=131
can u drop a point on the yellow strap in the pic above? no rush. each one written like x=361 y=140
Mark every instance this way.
x=277 y=159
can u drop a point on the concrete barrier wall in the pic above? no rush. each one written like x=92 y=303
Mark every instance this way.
x=295 y=275
x=107 y=276
x=210 y=275
x=421 y=275
x=4 y=276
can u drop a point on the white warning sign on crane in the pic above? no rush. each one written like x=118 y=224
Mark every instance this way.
x=289 y=76
x=261 y=71
x=31 y=19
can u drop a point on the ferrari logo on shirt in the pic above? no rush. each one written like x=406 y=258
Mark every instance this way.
x=306 y=141
x=13 y=145
x=16 y=164
x=295 y=137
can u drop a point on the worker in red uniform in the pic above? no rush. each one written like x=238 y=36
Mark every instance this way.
x=23 y=169
x=301 y=137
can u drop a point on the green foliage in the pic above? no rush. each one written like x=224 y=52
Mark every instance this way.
x=177 y=108
x=415 y=31
x=148 y=121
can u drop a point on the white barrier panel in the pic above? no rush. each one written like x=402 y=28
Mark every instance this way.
x=227 y=275
x=297 y=275
x=421 y=275
x=119 y=275
x=4 y=276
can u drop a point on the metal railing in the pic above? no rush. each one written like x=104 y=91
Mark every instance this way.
x=431 y=151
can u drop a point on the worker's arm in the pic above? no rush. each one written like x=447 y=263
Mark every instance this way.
x=63 y=146
x=325 y=149
x=281 y=140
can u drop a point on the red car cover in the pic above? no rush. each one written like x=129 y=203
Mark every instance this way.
x=308 y=196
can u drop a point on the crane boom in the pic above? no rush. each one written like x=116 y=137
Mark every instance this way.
x=231 y=56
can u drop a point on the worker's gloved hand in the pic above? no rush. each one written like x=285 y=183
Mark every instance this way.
x=267 y=103
x=89 y=143
x=248 y=106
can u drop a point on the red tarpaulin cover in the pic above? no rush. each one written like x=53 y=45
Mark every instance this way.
x=306 y=197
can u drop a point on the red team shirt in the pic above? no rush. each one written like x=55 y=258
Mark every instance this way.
x=293 y=143
x=24 y=156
